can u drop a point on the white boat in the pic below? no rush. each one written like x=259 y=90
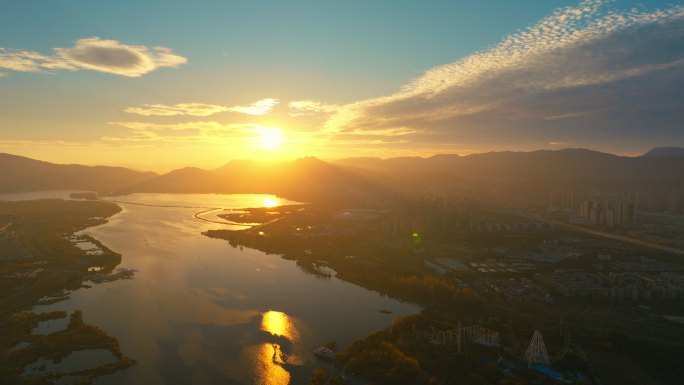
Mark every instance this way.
x=324 y=352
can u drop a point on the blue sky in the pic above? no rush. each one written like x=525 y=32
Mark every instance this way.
x=379 y=77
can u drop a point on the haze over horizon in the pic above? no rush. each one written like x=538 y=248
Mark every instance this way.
x=130 y=86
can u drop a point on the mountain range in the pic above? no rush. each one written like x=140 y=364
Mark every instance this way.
x=313 y=179
x=18 y=174
x=565 y=168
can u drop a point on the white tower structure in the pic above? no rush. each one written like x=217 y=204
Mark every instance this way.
x=536 y=350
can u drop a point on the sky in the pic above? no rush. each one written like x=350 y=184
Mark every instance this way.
x=157 y=86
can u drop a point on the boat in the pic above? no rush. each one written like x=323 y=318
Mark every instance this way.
x=324 y=352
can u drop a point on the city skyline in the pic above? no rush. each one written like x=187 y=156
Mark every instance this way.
x=135 y=85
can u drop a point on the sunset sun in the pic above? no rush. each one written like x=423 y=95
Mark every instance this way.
x=270 y=138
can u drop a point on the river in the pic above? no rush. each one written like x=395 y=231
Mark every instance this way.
x=199 y=311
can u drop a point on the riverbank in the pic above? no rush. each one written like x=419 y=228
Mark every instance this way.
x=314 y=237
x=42 y=262
x=455 y=277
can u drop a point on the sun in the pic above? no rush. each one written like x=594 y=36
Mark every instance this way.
x=270 y=138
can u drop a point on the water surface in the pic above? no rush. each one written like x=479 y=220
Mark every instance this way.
x=199 y=311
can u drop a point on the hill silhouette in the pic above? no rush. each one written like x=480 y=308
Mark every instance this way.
x=567 y=167
x=312 y=179
x=665 y=152
x=305 y=178
x=18 y=173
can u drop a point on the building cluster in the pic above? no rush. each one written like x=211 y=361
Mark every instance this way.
x=445 y=265
x=615 y=285
x=571 y=200
x=655 y=200
x=461 y=336
x=432 y=214
x=608 y=213
x=644 y=264
x=493 y=266
x=519 y=289
x=517 y=226
x=611 y=210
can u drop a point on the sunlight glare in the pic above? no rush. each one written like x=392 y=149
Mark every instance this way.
x=271 y=138
x=270 y=202
x=268 y=370
x=279 y=324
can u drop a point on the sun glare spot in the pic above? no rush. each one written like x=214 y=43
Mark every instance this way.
x=270 y=138
x=268 y=369
x=279 y=324
x=270 y=202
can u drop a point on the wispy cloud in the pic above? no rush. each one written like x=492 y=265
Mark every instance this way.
x=203 y=131
x=260 y=107
x=566 y=116
x=589 y=66
x=192 y=109
x=95 y=54
x=308 y=107
x=29 y=61
x=204 y=126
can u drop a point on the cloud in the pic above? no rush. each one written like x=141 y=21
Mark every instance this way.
x=197 y=132
x=205 y=133
x=192 y=109
x=95 y=54
x=202 y=125
x=117 y=58
x=29 y=61
x=594 y=70
x=260 y=107
x=310 y=107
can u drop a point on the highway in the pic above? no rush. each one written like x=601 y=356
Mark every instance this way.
x=598 y=233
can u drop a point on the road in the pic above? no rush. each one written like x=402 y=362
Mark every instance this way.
x=602 y=234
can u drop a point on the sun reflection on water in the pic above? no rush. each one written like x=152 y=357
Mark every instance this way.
x=267 y=368
x=270 y=358
x=270 y=202
x=279 y=324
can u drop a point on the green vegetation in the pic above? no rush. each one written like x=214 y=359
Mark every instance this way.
x=39 y=264
x=314 y=238
x=55 y=347
x=259 y=214
x=37 y=259
x=395 y=356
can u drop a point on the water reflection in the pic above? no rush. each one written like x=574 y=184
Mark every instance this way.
x=268 y=369
x=193 y=314
x=271 y=202
x=276 y=360
x=279 y=324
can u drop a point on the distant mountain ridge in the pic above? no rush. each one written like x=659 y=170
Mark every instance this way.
x=665 y=152
x=18 y=173
x=305 y=178
x=312 y=179
x=567 y=167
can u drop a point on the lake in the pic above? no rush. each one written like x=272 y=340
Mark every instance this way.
x=199 y=311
